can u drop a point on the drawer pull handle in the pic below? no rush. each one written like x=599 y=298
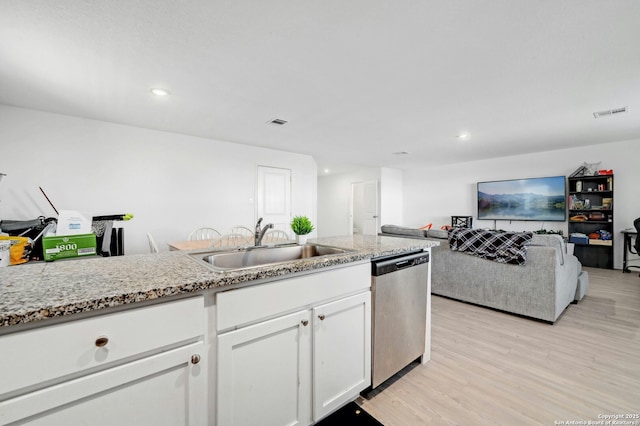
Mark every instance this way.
x=195 y=358
x=102 y=341
x=305 y=322
x=322 y=317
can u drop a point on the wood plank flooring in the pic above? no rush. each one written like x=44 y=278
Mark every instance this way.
x=494 y=368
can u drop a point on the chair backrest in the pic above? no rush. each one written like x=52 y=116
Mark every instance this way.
x=234 y=240
x=636 y=223
x=204 y=233
x=243 y=230
x=153 y=247
x=275 y=236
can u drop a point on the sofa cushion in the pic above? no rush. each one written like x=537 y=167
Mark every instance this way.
x=437 y=233
x=583 y=285
x=551 y=240
x=401 y=230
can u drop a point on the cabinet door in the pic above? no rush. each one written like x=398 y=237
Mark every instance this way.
x=264 y=373
x=165 y=389
x=341 y=352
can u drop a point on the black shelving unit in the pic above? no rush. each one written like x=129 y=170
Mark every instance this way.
x=591 y=212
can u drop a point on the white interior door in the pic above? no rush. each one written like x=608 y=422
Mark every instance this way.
x=355 y=212
x=364 y=208
x=274 y=196
x=370 y=208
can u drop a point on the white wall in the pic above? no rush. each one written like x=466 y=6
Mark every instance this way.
x=391 y=196
x=334 y=200
x=172 y=183
x=435 y=194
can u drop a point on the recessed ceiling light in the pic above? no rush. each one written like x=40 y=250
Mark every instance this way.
x=159 y=92
x=327 y=170
x=463 y=136
x=401 y=153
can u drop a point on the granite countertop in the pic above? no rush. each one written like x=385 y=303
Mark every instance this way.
x=41 y=290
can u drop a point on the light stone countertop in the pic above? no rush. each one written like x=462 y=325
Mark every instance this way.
x=37 y=291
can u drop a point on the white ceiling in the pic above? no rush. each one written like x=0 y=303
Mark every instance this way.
x=357 y=79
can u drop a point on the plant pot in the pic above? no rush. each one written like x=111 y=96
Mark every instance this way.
x=301 y=239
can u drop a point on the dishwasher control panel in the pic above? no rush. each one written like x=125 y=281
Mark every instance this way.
x=388 y=264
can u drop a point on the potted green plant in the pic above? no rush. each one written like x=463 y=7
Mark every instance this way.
x=301 y=226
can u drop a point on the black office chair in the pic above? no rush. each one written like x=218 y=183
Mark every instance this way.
x=636 y=245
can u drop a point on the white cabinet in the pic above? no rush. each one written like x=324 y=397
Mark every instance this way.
x=284 y=352
x=140 y=366
x=264 y=373
x=341 y=352
x=295 y=368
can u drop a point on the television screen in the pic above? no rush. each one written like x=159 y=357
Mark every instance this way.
x=542 y=199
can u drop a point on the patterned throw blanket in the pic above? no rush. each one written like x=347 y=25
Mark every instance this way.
x=502 y=247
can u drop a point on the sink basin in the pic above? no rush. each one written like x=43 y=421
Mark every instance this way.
x=260 y=256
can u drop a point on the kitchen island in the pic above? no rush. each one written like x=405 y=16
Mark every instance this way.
x=33 y=292
x=161 y=330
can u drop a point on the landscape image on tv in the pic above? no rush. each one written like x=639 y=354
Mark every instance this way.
x=542 y=199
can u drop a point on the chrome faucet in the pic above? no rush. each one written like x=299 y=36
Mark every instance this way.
x=260 y=232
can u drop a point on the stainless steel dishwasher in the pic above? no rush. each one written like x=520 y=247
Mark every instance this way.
x=399 y=312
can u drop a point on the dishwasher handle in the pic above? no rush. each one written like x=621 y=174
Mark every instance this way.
x=389 y=265
x=403 y=264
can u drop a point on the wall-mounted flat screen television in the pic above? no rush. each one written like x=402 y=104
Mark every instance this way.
x=541 y=199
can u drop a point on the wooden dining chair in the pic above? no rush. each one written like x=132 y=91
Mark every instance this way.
x=274 y=236
x=234 y=240
x=153 y=247
x=243 y=230
x=204 y=233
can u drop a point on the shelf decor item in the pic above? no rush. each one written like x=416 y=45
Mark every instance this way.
x=591 y=169
x=301 y=226
x=577 y=172
x=461 y=222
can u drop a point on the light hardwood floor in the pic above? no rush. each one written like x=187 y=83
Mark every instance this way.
x=493 y=368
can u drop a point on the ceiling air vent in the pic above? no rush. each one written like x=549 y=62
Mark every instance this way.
x=278 y=122
x=610 y=112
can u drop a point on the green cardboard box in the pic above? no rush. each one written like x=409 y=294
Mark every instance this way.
x=67 y=246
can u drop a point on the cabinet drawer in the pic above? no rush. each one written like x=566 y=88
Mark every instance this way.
x=38 y=357
x=243 y=306
x=164 y=389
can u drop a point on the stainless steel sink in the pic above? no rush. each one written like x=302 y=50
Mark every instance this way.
x=260 y=256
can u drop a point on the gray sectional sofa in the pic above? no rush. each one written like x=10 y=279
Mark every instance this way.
x=542 y=288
